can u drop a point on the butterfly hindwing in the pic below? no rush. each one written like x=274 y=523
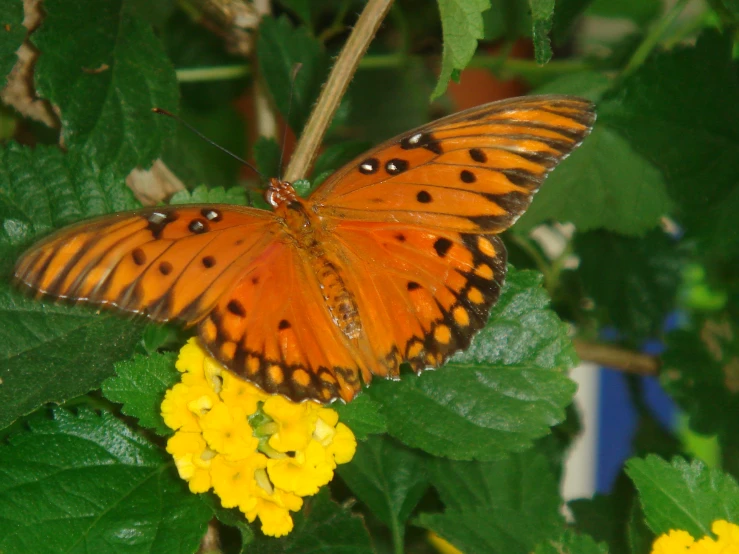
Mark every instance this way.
x=170 y=263
x=273 y=329
x=475 y=171
x=422 y=293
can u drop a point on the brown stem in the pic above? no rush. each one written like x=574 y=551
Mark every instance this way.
x=342 y=72
x=617 y=358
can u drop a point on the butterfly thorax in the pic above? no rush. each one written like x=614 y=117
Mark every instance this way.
x=305 y=228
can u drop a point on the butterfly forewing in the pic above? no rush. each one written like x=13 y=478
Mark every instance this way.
x=475 y=171
x=170 y=263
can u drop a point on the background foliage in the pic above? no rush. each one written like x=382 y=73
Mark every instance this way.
x=472 y=452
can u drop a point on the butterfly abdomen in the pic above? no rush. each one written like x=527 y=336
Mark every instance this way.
x=306 y=230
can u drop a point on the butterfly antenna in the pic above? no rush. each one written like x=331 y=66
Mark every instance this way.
x=294 y=76
x=206 y=139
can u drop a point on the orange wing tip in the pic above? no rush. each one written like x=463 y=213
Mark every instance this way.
x=259 y=453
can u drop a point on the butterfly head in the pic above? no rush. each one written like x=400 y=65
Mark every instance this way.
x=279 y=193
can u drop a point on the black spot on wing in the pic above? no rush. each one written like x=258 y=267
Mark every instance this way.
x=236 y=308
x=442 y=246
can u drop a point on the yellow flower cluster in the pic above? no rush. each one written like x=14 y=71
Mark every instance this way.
x=258 y=452
x=681 y=542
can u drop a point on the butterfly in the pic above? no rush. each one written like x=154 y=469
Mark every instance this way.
x=394 y=259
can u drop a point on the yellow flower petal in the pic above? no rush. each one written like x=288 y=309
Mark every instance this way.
x=727 y=533
x=237 y=392
x=295 y=423
x=304 y=473
x=679 y=542
x=674 y=542
x=228 y=432
x=344 y=445
x=274 y=511
x=191 y=357
x=234 y=481
x=183 y=405
x=192 y=459
x=276 y=521
x=331 y=417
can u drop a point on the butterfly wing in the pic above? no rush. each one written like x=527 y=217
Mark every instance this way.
x=169 y=263
x=273 y=328
x=415 y=220
x=475 y=171
x=232 y=270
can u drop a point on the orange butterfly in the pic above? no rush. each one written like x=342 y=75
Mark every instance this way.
x=393 y=259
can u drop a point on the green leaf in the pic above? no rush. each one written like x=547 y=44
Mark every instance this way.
x=233 y=518
x=190 y=44
x=43 y=188
x=280 y=47
x=542 y=13
x=568 y=14
x=510 y=19
x=51 y=353
x=506 y=506
x=588 y=84
x=615 y=518
x=140 y=384
x=680 y=495
x=384 y=102
x=501 y=394
x=389 y=478
x=267 y=154
x=336 y=155
x=156 y=13
x=321 y=526
x=12 y=34
x=106 y=81
x=301 y=8
x=599 y=517
x=571 y=543
x=462 y=27
x=640 y=12
x=362 y=415
x=603 y=184
x=679 y=110
x=216 y=195
x=649 y=274
x=699 y=373
x=195 y=161
x=87 y=483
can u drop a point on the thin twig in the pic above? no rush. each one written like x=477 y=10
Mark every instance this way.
x=342 y=72
x=617 y=358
